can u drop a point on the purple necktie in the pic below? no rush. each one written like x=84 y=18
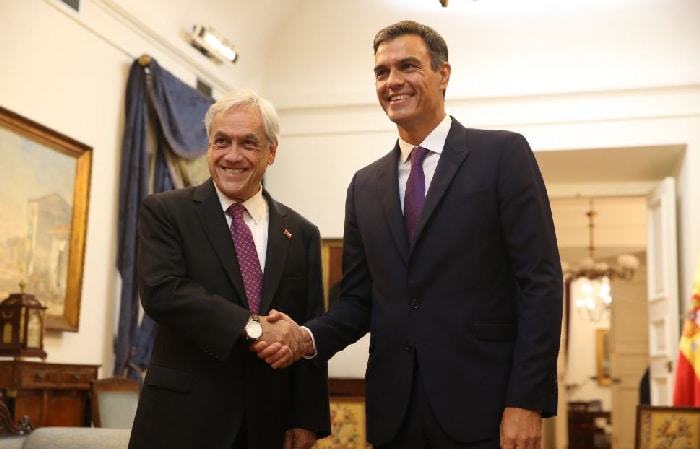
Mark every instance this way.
x=248 y=260
x=415 y=191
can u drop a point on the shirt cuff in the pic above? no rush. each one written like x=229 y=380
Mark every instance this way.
x=313 y=342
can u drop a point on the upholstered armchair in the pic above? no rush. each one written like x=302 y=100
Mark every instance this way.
x=114 y=401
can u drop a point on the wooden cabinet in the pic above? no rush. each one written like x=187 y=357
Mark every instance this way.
x=50 y=394
x=587 y=429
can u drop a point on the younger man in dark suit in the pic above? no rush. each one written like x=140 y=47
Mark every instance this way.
x=450 y=261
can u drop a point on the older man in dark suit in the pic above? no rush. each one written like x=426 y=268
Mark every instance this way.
x=460 y=287
x=213 y=259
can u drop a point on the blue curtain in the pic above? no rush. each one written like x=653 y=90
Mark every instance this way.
x=177 y=119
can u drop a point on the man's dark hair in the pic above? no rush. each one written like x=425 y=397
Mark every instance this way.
x=435 y=43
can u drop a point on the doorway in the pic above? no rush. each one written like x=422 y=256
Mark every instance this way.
x=623 y=175
x=593 y=339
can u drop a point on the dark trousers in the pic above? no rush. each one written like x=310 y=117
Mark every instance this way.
x=241 y=441
x=420 y=429
x=247 y=440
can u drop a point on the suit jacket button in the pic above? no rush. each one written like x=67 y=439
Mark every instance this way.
x=415 y=304
x=409 y=346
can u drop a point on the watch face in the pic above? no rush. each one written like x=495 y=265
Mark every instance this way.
x=253 y=329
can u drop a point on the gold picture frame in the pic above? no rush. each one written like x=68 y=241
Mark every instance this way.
x=602 y=355
x=667 y=427
x=332 y=260
x=46 y=183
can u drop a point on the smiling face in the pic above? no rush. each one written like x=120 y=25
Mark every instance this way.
x=239 y=152
x=409 y=91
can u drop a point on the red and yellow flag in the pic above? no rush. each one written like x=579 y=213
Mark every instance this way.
x=686 y=391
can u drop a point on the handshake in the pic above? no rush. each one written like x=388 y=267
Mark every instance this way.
x=283 y=341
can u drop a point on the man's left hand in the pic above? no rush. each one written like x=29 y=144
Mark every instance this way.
x=521 y=429
x=299 y=439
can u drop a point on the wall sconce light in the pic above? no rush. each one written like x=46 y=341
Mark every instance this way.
x=211 y=44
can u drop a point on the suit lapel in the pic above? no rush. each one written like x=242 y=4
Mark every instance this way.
x=211 y=216
x=453 y=155
x=388 y=186
x=277 y=248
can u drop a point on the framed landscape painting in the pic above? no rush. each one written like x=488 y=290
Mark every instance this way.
x=46 y=180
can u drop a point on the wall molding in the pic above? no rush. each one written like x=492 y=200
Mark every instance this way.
x=195 y=63
x=660 y=102
x=113 y=8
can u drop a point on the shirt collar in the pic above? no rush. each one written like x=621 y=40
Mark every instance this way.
x=255 y=205
x=435 y=141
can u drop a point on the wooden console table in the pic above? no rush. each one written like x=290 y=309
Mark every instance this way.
x=50 y=394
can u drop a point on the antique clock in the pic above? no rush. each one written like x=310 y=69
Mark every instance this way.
x=22 y=326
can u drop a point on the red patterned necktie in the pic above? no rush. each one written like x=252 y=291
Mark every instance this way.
x=415 y=191
x=248 y=260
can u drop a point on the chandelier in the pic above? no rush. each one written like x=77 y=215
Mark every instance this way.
x=593 y=297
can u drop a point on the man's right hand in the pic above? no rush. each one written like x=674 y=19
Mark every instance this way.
x=283 y=342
